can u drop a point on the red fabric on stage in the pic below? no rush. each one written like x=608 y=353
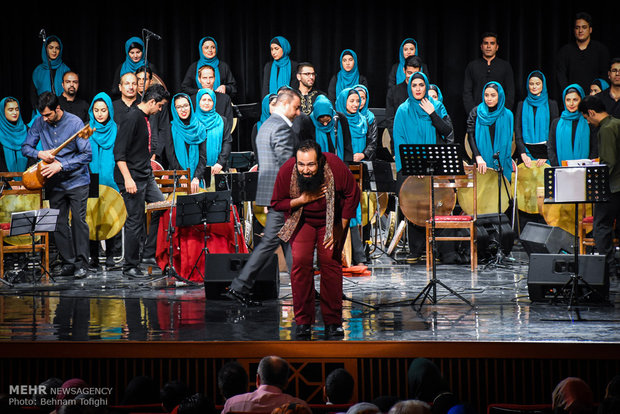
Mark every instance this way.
x=188 y=243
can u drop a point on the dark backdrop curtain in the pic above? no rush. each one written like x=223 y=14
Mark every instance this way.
x=448 y=36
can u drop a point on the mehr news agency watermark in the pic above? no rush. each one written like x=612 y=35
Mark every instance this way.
x=40 y=395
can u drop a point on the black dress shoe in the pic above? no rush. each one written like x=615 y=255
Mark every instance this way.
x=303 y=331
x=109 y=262
x=149 y=261
x=334 y=331
x=134 y=273
x=243 y=298
x=81 y=273
x=64 y=270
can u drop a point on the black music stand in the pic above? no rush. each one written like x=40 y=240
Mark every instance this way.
x=241 y=187
x=31 y=222
x=241 y=160
x=377 y=177
x=202 y=208
x=576 y=185
x=432 y=160
x=499 y=255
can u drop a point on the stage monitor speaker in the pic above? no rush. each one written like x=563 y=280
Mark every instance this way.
x=542 y=238
x=488 y=237
x=549 y=272
x=221 y=269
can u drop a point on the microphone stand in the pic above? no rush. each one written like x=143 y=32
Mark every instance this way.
x=171 y=270
x=149 y=34
x=499 y=255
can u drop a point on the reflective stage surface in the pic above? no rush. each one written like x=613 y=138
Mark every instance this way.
x=107 y=307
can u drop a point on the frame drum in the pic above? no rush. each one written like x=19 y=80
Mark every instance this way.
x=105 y=215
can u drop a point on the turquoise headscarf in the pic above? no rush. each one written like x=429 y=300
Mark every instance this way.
x=346 y=79
x=535 y=126
x=565 y=148
x=602 y=83
x=102 y=142
x=214 y=62
x=358 y=125
x=400 y=71
x=503 y=120
x=436 y=89
x=214 y=124
x=129 y=65
x=12 y=136
x=412 y=125
x=265 y=113
x=370 y=117
x=280 y=69
x=41 y=75
x=326 y=133
x=194 y=134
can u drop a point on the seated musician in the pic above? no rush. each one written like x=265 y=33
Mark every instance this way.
x=189 y=138
x=569 y=137
x=419 y=120
x=13 y=132
x=219 y=141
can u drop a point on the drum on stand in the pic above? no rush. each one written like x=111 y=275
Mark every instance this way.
x=487 y=194
x=528 y=180
x=415 y=201
x=106 y=214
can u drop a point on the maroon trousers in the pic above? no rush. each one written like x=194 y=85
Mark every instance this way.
x=303 y=242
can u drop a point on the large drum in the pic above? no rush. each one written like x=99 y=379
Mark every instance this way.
x=561 y=215
x=527 y=181
x=487 y=194
x=370 y=202
x=414 y=199
x=106 y=214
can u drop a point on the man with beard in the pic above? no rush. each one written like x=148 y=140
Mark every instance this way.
x=306 y=75
x=611 y=96
x=129 y=91
x=319 y=195
x=69 y=102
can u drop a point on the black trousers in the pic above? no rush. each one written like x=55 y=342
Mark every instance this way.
x=605 y=214
x=147 y=192
x=71 y=240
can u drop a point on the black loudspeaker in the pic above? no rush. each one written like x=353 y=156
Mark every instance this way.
x=221 y=269
x=488 y=237
x=549 y=272
x=541 y=238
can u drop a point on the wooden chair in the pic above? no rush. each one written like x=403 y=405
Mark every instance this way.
x=455 y=222
x=40 y=246
x=585 y=226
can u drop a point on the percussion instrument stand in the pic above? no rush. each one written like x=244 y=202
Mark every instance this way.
x=170 y=232
x=500 y=257
x=596 y=190
x=432 y=160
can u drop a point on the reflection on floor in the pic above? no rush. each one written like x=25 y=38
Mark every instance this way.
x=105 y=306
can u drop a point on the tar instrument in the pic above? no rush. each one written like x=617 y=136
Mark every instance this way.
x=527 y=181
x=487 y=194
x=33 y=179
x=106 y=214
x=414 y=199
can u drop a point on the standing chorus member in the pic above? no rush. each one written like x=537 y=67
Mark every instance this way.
x=611 y=96
x=281 y=70
x=134 y=59
x=68 y=99
x=224 y=81
x=347 y=77
x=219 y=141
x=408 y=47
x=47 y=76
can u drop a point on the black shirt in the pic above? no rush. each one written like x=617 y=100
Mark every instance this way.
x=478 y=73
x=78 y=107
x=611 y=105
x=132 y=146
x=574 y=65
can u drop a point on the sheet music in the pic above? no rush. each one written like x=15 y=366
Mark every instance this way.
x=570 y=185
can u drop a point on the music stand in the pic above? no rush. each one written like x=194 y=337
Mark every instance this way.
x=31 y=222
x=499 y=255
x=241 y=187
x=377 y=177
x=432 y=160
x=202 y=208
x=577 y=185
x=241 y=160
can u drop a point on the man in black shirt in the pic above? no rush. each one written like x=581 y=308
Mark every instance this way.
x=134 y=177
x=581 y=61
x=129 y=91
x=69 y=102
x=485 y=69
x=611 y=96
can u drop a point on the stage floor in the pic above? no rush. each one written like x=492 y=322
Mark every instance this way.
x=107 y=307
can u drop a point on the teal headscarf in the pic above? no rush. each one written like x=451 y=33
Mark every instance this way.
x=326 y=133
x=12 y=136
x=535 y=126
x=565 y=148
x=214 y=62
x=265 y=113
x=602 y=83
x=192 y=133
x=41 y=75
x=436 y=89
x=102 y=142
x=412 y=125
x=358 y=125
x=346 y=79
x=214 y=124
x=280 y=69
x=370 y=117
x=503 y=120
x=129 y=65
x=400 y=71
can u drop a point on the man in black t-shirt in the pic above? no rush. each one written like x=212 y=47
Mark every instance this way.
x=69 y=101
x=135 y=180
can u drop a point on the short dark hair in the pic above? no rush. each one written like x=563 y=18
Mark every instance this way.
x=414 y=62
x=273 y=370
x=591 y=102
x=148 y=70
x=172 y=393
x=47 y=100
x=156 y=92
x=584 y=16
x=304 y=64
x=67 y=73
x=309 y=145
x=614 y=61
x=196 y=404
x=339 y=386
x=489 y=34
x=232 y=379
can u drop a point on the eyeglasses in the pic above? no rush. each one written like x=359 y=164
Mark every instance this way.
x=311 y=74
x=615 y=71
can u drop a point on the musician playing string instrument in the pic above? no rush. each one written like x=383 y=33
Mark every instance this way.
x=67 y=181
